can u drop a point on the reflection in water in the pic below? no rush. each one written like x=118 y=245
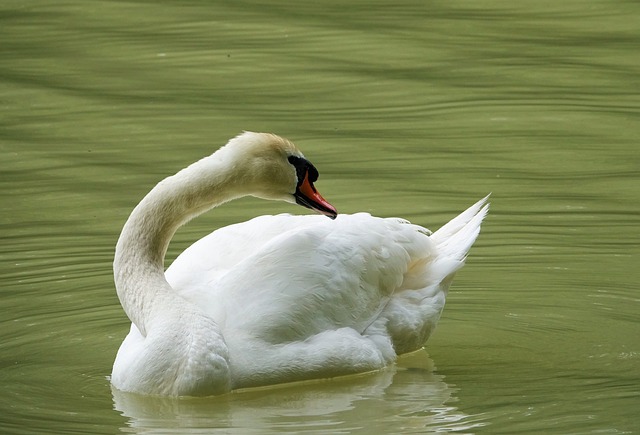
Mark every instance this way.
x=408 y=397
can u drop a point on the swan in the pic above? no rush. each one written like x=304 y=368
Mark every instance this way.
x=277 y=298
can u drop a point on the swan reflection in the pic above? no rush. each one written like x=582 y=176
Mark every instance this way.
x=408 y=397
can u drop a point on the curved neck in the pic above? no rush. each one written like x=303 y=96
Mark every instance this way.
x=139 y=258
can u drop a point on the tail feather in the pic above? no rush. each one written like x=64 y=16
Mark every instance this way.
x=412 y=312
x=457 y=236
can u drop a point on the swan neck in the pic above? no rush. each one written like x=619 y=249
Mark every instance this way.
x=141 y=248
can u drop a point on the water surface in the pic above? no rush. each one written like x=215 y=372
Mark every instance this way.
x=413 y=109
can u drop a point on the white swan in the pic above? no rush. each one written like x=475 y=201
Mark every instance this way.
x=278 y=298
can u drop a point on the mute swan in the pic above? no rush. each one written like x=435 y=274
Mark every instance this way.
x=278 y=298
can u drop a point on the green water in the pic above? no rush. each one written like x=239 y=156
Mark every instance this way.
x=411 y=108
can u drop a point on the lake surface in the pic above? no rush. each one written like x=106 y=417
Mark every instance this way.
x=411 y=108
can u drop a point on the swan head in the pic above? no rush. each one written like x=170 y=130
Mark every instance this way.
x=274 y=168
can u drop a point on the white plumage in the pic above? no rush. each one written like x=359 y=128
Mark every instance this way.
x=278 y=298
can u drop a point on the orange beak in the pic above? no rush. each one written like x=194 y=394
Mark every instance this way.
x=307 y=196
